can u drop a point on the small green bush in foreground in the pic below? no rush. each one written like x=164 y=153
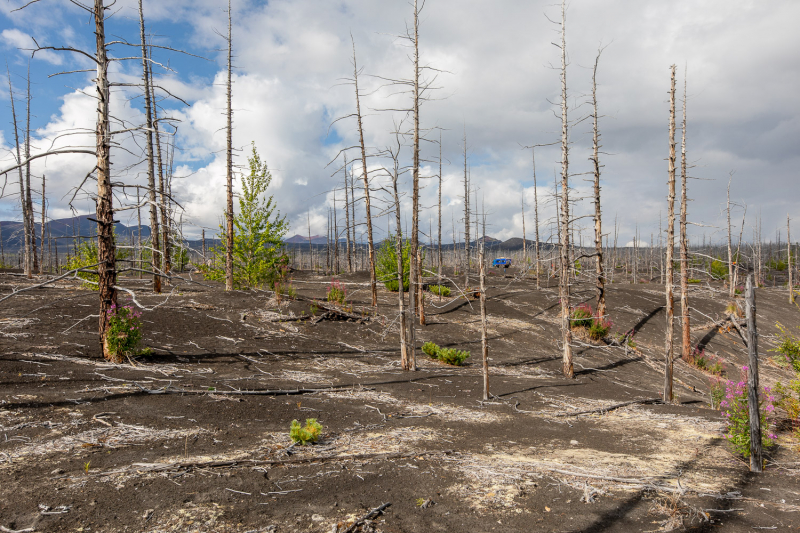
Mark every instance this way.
x=451 y=356
x=303 y=435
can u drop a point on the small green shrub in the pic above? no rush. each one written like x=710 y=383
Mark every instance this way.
x=694 y=280
x=717 y=392
x=303 y=435
x=441 y=290
x=124 y=330
x=789 y=347
x=430 y=349
x=599 y=328
x=777 y=264
x=337 y=293
x=718 y=270
x=393 y=285
x=581 y=316
x=451 y=356
x=386 y=263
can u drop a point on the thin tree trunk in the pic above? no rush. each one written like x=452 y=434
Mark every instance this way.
x=370 y=240
x=564 y=292
x=151 y=184
x=668 y=395
x=229 y=165
x=29 y=199
x=41 y=230
x=107 y=272
x=405 y=362
x=789 y=258
x=686 y=337
x=484 y=336
x=138 y=254
x=164 y=197
x=524 y=237
x=535 y=216
x=415 y=281
x=347 y=220
x=439 y=232
x=730 y=247
x=466 y=215
x=600 y=275
x=756 y=462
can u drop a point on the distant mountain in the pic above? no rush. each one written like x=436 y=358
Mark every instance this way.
x=300 y=239
x=62 y=231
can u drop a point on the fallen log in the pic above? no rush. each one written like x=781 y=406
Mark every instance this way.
x=604 y=410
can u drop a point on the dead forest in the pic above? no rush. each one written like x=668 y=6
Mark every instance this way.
x=163 y=376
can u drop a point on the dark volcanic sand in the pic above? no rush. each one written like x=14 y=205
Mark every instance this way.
x=81 y=434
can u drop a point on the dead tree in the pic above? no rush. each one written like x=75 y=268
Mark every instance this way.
x=439 y=232
x=730 y=246
x=162 y=192
x=535 y=216
x=347 y=219
x=28 y=195
x=563 y=283
x=405 y=361
x=686 y=338
x=370 y=242
x=756 y=463
x=155 y=257
x=229 y=165
x=600 y=281
x=484 y=335
x=668 y=395
x=27 y=264
x=466 y=215
x=789 y=258
x=415 y=283
x=524 y=241
x=41 y=229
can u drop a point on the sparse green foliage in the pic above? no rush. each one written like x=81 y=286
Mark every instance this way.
x=257 y=234
x=789 y=347
x=386 y=263
x=303 y=435
x=124 y=330
x=776 y=264
x=440 y=290
x=87 y=256
x=451 y=356
x=599 y=328
x=581 y=316
x=718 y=270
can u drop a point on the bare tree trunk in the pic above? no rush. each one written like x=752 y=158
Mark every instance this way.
x=756 y=462
x=151 y=184
x=789 y=258
x=466 y=215
x=310 y=248
x=347 y=220
x=415 y=282
x=600 y=280
x=229 y=165
x=565 y=263
x=41 y=230
x=668 y=395
x=484 y=336
x=686 y=337
x=730 y=246
x=524 y=241
x=439 y=232
x=29 y=200
x=370 y=240
x=164 y=197
x=107 y=272
x=138 y=255
x=535 y=217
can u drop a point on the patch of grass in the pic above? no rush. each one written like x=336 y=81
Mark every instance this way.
x=441 y=290
x=303 y=435
x=451 y=356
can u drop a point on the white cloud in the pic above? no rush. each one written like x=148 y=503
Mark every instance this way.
x=16 y=39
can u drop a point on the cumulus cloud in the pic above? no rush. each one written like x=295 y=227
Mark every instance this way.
x=497 y=85
x=16 y=39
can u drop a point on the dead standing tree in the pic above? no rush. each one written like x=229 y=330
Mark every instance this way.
x=27 y=263
x=563 y=282
x=155 y=258
x=229 y=165
x=686 y=336
x=598 y=227
x=466 y=215
x=670 y=246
